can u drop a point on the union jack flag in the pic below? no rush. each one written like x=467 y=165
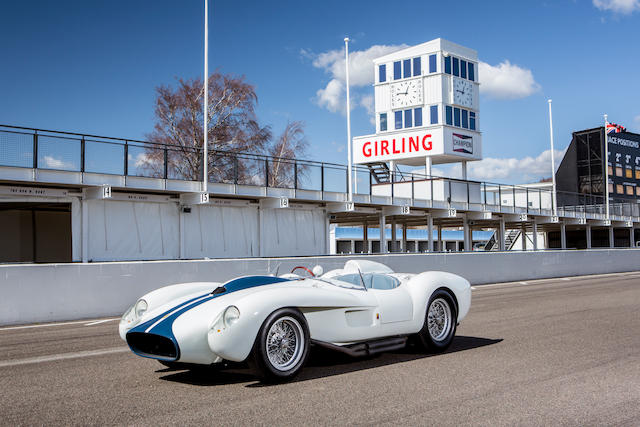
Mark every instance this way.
x=614 y=128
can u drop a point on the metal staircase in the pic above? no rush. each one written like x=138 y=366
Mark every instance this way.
x=380 y=172
x=509 y=240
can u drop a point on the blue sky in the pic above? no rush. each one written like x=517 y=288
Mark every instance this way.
x=93 y=66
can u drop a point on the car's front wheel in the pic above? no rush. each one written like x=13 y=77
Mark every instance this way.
x=440 y=320
x=282 y=345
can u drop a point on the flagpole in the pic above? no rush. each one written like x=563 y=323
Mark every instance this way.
x=349 y=170
x=553 y=163
x=606 y=166
x=205 y=176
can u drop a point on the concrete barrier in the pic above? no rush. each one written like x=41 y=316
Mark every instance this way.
x=52 y=292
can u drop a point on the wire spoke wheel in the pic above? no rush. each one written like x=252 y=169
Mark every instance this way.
x=285 y=343
x=439 y=319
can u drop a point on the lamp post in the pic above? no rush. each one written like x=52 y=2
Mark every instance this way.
x=205 y=149
x=553 y=162
x=349 y=170
x=606 y=167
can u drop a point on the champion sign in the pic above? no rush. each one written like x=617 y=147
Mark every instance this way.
x=462 y=143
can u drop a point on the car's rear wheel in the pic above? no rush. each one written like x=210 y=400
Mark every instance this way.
x=440 y=320
x=282 y=345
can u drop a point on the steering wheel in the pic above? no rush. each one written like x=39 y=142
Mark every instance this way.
x=304 y=268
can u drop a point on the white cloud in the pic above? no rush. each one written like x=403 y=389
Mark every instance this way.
x=332 y=96
x=53 y=163
x=624 y=7
x=506 y=81
x=636 y=120
x=143 y=159
x=506 y=170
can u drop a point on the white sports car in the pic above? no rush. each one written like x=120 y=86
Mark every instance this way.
x=271 y=321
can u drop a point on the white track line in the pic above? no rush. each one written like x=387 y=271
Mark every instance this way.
x=97 y=322
x=556 y=279
x=64 y=356
x=47 y=325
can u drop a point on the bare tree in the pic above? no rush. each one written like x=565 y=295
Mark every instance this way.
x=291 y=144
x=232 y=128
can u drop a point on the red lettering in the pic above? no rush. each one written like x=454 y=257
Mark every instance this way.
x=384 y=146
x=414 y=145
x=366 y=150
x=375 y=146
x=403 y=145
x=426 y=144
x=394 y=151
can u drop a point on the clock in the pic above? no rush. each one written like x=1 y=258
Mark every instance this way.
x=462 y=92
x=406 y=93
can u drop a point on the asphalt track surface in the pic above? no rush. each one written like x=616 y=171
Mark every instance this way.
x=559 y=351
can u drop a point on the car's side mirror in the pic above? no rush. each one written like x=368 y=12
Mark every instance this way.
x=318 y=270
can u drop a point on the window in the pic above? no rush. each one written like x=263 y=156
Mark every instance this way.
x=406 y=64
x=397 y=70
x=637 y=174
x=463 y=69
x=465 y=119
x=398 y=117
x=417 y=66
x=447 y=64
x=610 y=188
x=417 y=119
x=628 y=173
x=610 y=170
x=618 y=171
x=619 y=189
x=434 y=114
x=638 y=191
x=629 y=190
x=383 y=122
x=456 y=117
x=472 y=120
x=472 y=74
x=432 y=64
x=408 y=118
x=456 y=67
x=449 y=115
x=382 y=73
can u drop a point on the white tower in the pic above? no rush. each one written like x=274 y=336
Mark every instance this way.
x=426 y=106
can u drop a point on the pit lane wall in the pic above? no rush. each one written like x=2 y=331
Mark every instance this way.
x=52 y=292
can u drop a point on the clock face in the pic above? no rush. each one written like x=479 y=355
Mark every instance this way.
x=404 y=94
x=463 y=92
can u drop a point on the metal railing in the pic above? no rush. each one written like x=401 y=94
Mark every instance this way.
x=68 y=151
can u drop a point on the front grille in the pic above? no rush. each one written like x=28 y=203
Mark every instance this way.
x=152 y=345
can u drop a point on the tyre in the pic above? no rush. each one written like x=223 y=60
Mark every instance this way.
x=440 y=321
x=282 y=346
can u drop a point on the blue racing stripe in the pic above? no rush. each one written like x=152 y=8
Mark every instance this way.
x=165 y=320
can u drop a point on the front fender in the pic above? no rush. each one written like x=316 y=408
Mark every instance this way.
x=235 y=342
x=424 y=284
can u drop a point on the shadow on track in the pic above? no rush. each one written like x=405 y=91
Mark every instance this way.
x=321 y=363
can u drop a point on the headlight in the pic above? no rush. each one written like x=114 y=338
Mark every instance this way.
x=231 y=315
x=140 y=308
x=127 y=317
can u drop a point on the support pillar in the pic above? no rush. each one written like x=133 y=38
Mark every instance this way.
x=612 y=240
x=523 y=233
x=352 y=249
x=466 y=235
x=503 y=246
x=588 y=232
x=383 y=237
x=464 y=169
x=85 y=231
x=535 y=235
x=394 y=242
x=404 y=237
x=440 y=238
x=430 y=231
x=427 y=166
x=563 y=236
x=632 y=238
x=365 y=238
